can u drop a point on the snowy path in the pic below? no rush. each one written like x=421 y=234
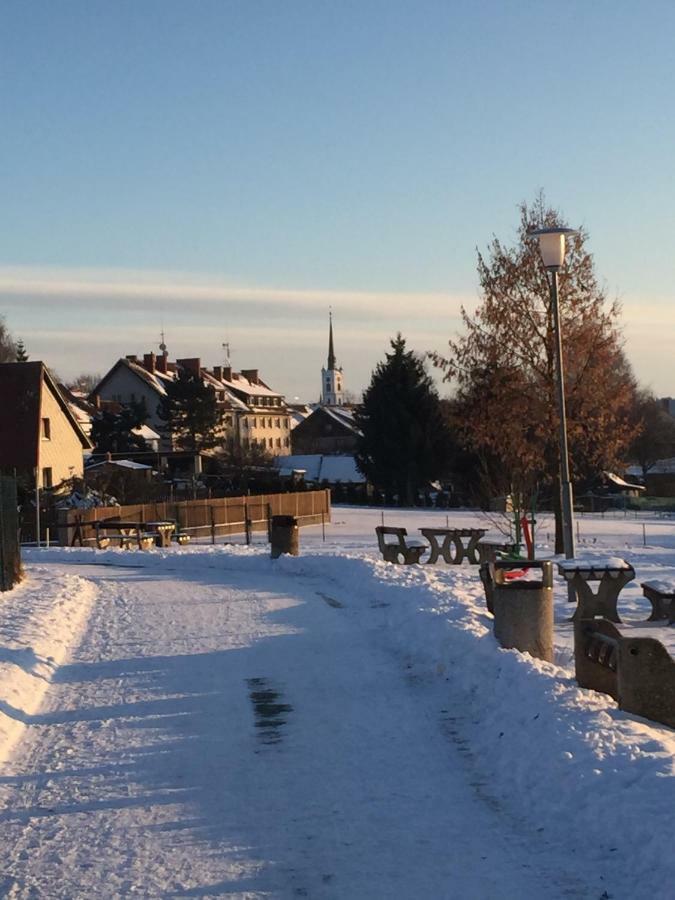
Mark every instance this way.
x=243 y=735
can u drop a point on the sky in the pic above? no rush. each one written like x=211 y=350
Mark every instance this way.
x=228 y=171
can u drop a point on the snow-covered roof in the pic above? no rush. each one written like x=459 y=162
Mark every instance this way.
x=254 y=389
x=146 y=433
x=318 y=467
x=121 y=463
x=619 y=482
x=343 y=416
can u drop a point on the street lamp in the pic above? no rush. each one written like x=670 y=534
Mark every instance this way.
x=552 y=249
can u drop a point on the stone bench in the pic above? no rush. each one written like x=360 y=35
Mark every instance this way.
x=661 y=594
x=637 y=671
x=399 y=550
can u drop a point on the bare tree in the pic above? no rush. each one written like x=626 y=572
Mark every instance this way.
x=504 y=366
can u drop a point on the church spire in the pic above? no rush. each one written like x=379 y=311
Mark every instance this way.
x=331 y=352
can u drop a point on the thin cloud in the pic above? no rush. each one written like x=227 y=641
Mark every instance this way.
x=167 y=288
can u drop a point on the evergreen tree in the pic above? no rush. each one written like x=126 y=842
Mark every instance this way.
x=21 y=355
x=112 y=432
x=504 y=367
x=190 y=413
x=405 y=440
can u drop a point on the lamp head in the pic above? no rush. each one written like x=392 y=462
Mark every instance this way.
x=552 y=245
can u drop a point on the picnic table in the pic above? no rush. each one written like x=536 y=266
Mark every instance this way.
x=453 y=538
x=144 y=534
x=611 y=575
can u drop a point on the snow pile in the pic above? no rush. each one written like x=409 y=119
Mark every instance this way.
x=598 y=782
x=42 y=619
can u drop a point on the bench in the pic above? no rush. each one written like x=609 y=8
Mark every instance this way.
x=400 y=550
x=131 y=534
x=659 y=593
x=637 y=671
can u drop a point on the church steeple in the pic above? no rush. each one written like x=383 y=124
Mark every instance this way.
x=332 y=390
x=331 y=352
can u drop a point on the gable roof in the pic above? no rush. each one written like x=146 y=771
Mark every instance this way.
x=21 y=386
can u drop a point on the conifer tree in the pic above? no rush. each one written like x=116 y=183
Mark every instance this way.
x=113 y=432
x=405 y=441
x=190 y=413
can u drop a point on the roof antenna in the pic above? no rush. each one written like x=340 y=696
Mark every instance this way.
x=226 y=348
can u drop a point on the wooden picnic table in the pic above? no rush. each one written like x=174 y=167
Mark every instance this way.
x=611 y=576
x=453 y=538
x=143 y=534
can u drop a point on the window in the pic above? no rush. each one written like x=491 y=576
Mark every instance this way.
x=47 y=477
x=269 y=423
x=278 y=442
x=245 y=442
x=285 y=423
x=46 y=430
x=228 y=420
x=286 y=442
x=254 y=423
x=277 y=422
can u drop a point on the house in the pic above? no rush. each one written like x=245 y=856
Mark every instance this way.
x=252 y=414
x=132 y=380
x=39 y=435
x=265 y=423
x=329 y=429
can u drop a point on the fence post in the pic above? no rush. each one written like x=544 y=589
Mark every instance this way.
x=213 y=525
x=644 y=535
x=323 y=525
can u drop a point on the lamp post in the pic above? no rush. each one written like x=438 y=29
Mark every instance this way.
x=552 y=249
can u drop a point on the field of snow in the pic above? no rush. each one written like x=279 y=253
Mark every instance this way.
x=207 y=722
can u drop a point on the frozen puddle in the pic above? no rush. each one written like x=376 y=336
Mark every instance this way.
x=270 y=714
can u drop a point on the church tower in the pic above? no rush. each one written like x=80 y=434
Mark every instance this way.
x=332 y=382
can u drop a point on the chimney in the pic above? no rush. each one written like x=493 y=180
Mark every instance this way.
x=161 y=362
x=96 y=401
x=250 y=375
x=218 y=373
x=227 y=373
x=131 y=357
x=193 y=365
x=149 y=361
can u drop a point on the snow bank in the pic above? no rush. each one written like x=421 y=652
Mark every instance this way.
x=594 y=780
x=40 y=621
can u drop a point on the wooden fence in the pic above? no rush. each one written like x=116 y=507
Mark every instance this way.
x=10 y=551
x=217 y=517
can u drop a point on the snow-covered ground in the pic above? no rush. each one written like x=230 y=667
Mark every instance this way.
x=207 y=722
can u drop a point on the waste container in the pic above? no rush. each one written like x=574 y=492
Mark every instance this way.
x=284 y=536
x=523 y=606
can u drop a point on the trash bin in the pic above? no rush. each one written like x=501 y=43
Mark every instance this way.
x=523 y=607
x=284 y=536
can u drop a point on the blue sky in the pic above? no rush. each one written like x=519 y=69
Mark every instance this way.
x=232 y=169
